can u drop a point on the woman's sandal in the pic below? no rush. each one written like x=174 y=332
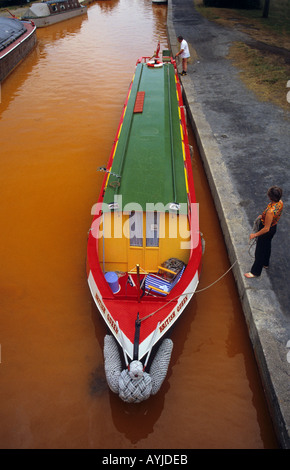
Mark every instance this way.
x=249 y=275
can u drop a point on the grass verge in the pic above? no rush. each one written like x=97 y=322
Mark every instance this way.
x=265 y=69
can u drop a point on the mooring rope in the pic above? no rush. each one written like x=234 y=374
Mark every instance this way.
x=190 y=293
x=133 y=384
x=251 y=244
x=215 y=282
x=254 y=240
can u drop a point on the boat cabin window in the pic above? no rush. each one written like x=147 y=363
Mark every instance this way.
x=136 y=228
x=152 y=228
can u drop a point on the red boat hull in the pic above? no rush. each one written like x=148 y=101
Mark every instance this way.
x=138 y=320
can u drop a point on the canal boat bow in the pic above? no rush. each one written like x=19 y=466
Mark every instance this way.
x=144 y=246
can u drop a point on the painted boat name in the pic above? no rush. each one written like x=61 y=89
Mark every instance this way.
x=172 y=315
x=184 y=300
x=104 y=311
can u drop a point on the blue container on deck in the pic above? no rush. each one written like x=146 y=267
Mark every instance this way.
x=112 y=279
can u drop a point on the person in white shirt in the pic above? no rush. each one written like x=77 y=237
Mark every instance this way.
x=184 y=53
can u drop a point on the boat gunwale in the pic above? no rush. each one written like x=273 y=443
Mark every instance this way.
x=12 y=46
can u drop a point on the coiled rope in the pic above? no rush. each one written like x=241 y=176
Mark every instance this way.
x=255 y=229
x=134 y=384
x=191 y=293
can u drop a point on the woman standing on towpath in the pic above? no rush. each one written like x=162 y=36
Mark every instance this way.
x=266 y=231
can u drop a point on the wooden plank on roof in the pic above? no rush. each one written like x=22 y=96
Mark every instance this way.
x=139 y=102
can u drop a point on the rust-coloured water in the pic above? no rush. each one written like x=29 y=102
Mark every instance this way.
x=59 y=113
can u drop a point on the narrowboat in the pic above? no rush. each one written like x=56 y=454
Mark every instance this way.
x=144 y=247
x=17 y=39
x=53 y=11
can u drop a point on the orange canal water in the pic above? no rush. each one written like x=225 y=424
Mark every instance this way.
x=58 y=117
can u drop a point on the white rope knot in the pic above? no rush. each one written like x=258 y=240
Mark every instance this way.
x=134 y=384
x=134 y=390
x=136 y=370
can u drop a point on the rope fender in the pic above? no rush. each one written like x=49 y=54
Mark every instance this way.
x=134 y=384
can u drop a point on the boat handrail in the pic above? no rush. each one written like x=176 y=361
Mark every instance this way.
x=171 y=135
x=128 y=135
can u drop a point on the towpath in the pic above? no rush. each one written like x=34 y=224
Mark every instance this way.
x=244 y=144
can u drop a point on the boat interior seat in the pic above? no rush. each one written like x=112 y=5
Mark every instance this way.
x=155 y=284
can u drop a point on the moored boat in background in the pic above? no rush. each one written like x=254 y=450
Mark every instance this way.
x=144 y=245
x=17 y=39
x=53 y=11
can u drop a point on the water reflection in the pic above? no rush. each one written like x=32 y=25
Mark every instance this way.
x=61 y=30
x=107 y=6
x=146 y=414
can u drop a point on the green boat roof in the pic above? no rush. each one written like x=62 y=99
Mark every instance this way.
x=149 y=156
